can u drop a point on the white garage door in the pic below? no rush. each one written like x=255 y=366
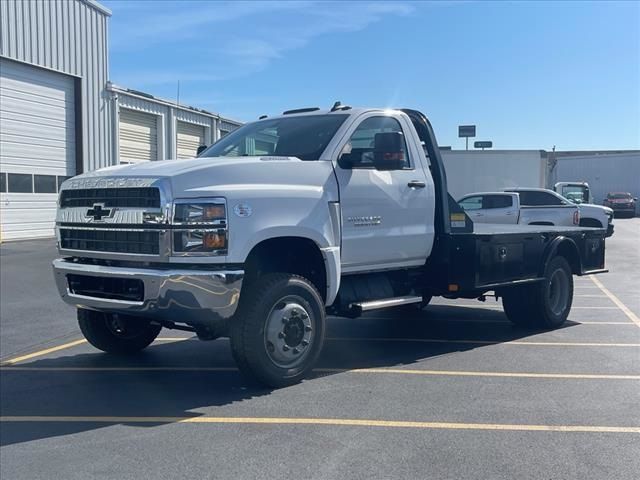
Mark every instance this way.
x=190 y=137
x=138 y=136
x=37 y=147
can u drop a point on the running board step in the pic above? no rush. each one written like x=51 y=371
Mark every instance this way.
x=359 y=308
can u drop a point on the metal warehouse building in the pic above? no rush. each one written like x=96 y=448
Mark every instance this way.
x=605 y=171
x=59 y=115
x=149 y=128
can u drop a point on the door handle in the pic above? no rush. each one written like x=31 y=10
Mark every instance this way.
x=416 y=184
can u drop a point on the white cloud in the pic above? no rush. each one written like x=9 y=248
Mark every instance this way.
x=231 y=43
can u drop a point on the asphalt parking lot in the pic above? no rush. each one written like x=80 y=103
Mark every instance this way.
x=455 y=392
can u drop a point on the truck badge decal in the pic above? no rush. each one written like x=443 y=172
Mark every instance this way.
x=366 y=221
x=243 y=210
x=98 y=212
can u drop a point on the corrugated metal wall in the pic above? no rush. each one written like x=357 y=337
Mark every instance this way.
x=605 y=172
x=68 y=36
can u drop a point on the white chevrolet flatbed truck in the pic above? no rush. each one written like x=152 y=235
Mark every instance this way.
x=286 y=220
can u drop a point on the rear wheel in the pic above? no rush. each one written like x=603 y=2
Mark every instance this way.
x=545 y=304
x=119 y=334
x=278 y=332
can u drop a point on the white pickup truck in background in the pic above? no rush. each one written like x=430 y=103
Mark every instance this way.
x=593 y=216
x=524 y=207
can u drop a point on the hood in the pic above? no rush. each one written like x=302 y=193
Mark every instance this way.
x=590 y=207
x=201 y=177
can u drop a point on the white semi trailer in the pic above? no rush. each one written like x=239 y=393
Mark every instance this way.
x=493 y=170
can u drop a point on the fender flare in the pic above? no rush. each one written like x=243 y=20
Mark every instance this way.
x=566 y=247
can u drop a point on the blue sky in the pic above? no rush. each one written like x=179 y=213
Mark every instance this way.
x=528 y=74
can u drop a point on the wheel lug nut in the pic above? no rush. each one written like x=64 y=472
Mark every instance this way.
x=305 y=343
x=285 y=348
x=281 y=335
x=285 y=319
x=307 y=328
x=304 y=315
x=296 y=351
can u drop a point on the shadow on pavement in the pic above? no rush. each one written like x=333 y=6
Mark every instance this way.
x=165 y=393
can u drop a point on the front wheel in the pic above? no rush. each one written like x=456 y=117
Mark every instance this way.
x=118 y=334
x=545 y=304
x=278 y=332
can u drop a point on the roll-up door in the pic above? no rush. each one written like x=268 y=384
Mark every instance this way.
x=37 y=147
x=138 y=138
x=190 y=137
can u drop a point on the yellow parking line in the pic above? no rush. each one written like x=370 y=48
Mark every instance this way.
x=64 y=346
x=343 y=422
x=483 y=342
x=573 y=307
x=485 y=320
x=455 y=373
x=632 y=316
x=397 y=371
x=603 y=323
x=39 y=353
x=499 y=307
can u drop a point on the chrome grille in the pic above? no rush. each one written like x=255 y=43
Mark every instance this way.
x=143 y=242
x=143 y=197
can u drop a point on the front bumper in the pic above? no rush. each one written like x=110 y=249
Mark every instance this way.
x=194 y=297
x=624 y=209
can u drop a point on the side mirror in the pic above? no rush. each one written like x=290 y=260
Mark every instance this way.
x=201 y=149
x=388 y=153
x=635 y=199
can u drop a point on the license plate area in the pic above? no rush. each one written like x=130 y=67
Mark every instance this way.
x=111 y=288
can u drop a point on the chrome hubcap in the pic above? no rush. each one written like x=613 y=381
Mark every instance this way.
x=289 y=333
x=558 y=292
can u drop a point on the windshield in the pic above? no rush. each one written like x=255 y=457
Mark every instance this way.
x=575 y=193
x=619 y=196
x=304 y=137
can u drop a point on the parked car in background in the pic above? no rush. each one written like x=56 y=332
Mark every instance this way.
x=593 y=216
x=621 y=203
x=508 y=207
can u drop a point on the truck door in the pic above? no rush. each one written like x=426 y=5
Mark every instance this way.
x=500 y=208
x=387 y=216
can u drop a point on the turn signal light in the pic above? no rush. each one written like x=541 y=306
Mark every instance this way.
x=214 y=241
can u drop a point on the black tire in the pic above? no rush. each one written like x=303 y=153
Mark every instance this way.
x=116 y=334
x=544 y=305
x=252 y=344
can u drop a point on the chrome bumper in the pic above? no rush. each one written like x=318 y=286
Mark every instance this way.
x=195 y=297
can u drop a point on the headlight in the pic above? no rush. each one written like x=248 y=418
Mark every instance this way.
x=201 y=228
x=199 y=213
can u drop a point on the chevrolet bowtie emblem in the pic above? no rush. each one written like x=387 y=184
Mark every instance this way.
x=98 y=212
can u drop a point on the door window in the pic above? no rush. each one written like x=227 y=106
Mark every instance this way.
x=497 y=201
x=358 y=152
x=471 y=203
x=539 y=199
